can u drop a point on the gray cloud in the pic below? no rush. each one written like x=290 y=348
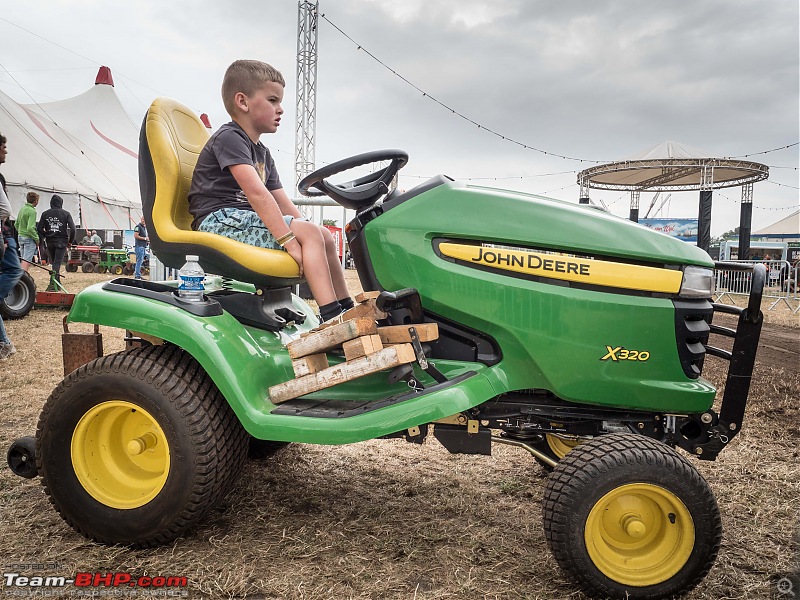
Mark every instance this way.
x=597 y=80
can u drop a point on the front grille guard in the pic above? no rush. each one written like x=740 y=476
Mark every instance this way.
x=741 y=358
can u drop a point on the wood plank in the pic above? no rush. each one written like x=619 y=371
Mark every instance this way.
x=365 y=309
x=364 y=296
x=361 y=346
x=389 y=357
x=398 y=334
x=310 y=364
x=331 y=337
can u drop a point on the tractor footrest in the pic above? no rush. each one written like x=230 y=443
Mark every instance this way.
x=341 y=409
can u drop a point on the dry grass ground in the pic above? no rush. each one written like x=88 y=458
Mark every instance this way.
x=387 y=519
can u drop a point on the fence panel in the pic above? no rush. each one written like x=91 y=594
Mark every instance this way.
x=733 y=286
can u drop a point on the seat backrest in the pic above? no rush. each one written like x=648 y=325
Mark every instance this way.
x=170 y=142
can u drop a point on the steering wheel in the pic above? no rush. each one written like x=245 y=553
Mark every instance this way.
x=358 y=193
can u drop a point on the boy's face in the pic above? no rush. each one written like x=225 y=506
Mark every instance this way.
x=263 y=107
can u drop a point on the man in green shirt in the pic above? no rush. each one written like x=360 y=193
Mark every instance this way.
x=26 y=230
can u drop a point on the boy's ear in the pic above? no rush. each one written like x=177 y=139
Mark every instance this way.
x=240 y=101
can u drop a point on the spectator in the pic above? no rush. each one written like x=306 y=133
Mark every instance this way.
x=26 y=230
x=58 y=230
x=10 y=271
x=141 y=237
x=96 y=241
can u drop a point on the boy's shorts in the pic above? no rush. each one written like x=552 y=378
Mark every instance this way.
x=243 y=226
x=27 y=247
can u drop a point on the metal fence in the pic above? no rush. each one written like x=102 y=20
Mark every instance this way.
x=733 y=285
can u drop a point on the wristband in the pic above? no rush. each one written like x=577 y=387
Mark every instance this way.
x=285 y=239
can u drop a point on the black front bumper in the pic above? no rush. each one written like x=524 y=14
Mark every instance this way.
x=711 y=432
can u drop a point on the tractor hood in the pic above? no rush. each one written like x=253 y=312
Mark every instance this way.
x=517 y=219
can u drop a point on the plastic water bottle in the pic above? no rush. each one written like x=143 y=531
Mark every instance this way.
x=191 y=278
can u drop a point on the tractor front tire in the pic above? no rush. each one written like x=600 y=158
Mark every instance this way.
x=135 y=447
x=87 y=267
x=20 y=299
x=627 y=517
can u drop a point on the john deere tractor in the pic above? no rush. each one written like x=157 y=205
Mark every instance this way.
x=572 y=334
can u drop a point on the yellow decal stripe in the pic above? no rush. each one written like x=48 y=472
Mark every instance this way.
x=565 y=268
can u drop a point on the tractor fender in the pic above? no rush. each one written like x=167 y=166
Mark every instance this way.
x=242 y=361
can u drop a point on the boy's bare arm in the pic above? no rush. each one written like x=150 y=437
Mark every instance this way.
x=266 y=207
x=285 y=204
x=262 y=201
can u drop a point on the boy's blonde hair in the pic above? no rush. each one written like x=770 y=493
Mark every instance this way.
x=245 y=76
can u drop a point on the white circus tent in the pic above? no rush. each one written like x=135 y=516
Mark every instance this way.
x=84 y=148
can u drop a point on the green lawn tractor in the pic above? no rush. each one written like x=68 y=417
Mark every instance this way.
x=569 y=333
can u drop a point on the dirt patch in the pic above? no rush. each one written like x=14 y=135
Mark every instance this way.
x=387 y=519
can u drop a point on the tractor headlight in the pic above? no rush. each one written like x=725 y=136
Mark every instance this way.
x=698 y=282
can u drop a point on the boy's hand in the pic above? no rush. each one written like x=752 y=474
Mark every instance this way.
x=296 y=252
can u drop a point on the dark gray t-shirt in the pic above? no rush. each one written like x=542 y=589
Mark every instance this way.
x=213 y=185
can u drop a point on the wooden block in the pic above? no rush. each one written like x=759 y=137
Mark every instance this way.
x=310 y=364
x=364 y=296
x=361 y=346
x=335 y=335
x=365 y=309
x=387 y=358
x=398 y=334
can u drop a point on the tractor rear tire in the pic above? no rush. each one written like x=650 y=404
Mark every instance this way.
x=116 y=269
x=127 y=269
x=627 y=517
x=135 y=447
x=20 y=299
x=87 y=267
x=72 y=267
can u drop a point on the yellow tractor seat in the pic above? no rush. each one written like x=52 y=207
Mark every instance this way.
x=170 y=141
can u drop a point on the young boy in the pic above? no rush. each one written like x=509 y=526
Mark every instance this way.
x=236 y=191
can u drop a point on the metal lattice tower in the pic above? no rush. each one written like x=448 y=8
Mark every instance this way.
x=306 y=119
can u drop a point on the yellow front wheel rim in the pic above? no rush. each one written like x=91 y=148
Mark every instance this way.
x=561 y=446
x=120 y=454
x=639 y=534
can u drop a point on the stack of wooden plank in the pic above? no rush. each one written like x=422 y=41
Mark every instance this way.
x=367 y=349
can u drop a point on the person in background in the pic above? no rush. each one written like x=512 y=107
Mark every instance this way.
x=95 y=239
x=141 y=237
x=10 y=271
x=26 y=230
x=58 y=230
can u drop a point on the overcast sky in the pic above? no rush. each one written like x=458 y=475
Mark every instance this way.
x=598 y=80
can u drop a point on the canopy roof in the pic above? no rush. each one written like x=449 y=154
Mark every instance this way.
x=786 y=227
x=83 y=148
x=673 y=166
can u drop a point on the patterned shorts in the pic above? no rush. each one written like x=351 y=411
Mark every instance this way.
x=241 y=225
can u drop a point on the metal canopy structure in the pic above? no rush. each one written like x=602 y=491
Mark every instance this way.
x=672 y=166
x=306 y=116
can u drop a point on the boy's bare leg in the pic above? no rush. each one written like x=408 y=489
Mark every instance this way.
x=334 y=266
x=315 y=261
